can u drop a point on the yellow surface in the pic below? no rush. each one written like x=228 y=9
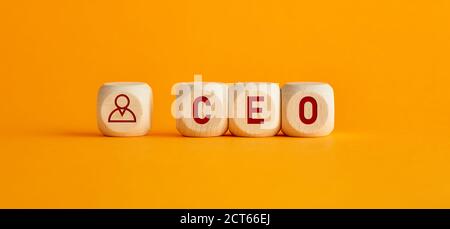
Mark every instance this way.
x=388 y=61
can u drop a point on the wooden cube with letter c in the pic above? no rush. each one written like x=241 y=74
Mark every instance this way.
x=201 y=108
x=307 y=109
x=254 y=109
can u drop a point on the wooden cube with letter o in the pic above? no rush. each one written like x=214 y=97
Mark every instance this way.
x=307 y=109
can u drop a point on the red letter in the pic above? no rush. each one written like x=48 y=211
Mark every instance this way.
x=251 y=110
x=198 y=100
x=302 y=110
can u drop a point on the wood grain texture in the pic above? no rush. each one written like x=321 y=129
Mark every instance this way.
x=201 y=109
x=124 y=109
x=254 y=109
x=307 y=109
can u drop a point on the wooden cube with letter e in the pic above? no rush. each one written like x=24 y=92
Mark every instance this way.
x=254 y=109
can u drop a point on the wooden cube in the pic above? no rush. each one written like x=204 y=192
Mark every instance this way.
x=124 y=109
x=307 y=109
x=201 y=108
x=254 y=109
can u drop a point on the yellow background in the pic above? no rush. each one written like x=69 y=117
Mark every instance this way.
x=388 y=61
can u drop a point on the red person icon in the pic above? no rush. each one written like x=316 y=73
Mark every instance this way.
x=122 y=113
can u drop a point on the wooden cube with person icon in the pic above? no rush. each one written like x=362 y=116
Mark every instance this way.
x=124 y=109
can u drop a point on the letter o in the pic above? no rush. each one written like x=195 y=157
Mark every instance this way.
x=303 y=101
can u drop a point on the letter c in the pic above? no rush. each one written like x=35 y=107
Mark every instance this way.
x=200 y=99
